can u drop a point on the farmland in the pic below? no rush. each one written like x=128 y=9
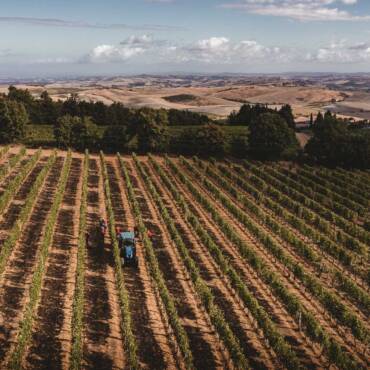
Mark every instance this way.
x=246 y=265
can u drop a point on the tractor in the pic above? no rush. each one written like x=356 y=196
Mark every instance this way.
x=127 y=247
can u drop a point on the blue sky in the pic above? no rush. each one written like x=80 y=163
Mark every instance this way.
x=74 y=37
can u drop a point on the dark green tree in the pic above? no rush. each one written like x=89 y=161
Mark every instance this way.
x=287 y=113
x=270 y=136
x=76 y=132
x=239 y=146
x=210 y=140
x=152 y=132
x=116 y=138
x=47 y=110
x=84 y=134
x=63 y=130
x=319 y=118
x=247 y=114
x=20 y=95
x=186 y=118
x=71 y=106
x=13 y=121
x=333 y=144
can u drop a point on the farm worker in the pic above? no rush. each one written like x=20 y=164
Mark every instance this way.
x=150 y=234
x=119 y=237
x=103 y=225
x=136 y=232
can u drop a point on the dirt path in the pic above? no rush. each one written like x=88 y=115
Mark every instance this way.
x=308 y=354
x=17 y=276
x=341 y=334
x=155 y=343
x=103 y=342
x=206 y=348
x=50 y=343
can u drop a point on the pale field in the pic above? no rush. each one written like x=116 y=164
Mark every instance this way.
x=217 y=101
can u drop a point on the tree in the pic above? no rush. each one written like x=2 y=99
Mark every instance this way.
x=311 y=120
x=45 y=110
x=13 y=121
x=184 y=117
x=84 y=134
x=287 y=113
x=210 y=140
x=319 y=118
x=247 y=114
x=20 y=95
x=152 y=133
x=63 y=130
x=71 y=106
x=334 y=144
x=239 y=146
x=270 y=136
x=79 y=133
x=116 y=138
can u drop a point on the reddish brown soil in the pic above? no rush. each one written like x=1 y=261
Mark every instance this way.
x=286 y=325
x=18 y=273
x=205 y=349
x=342 y=335
x=103 y=342
x=103 y=346
x=149 y=326
x=48 y=341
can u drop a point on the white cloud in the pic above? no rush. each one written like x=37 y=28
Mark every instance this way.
x=112 y=54
x=216 y=50
x=303 y=10
x=127 y=49
x=341 y=52
x=220 y=50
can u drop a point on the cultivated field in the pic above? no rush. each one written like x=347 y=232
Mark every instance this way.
x=249 y=265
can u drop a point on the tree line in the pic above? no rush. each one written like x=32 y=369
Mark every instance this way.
x=335 y=142
x=83 y=125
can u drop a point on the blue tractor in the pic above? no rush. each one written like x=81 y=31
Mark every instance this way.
x=127 y=247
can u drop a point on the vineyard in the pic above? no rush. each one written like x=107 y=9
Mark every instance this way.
x=241 y=264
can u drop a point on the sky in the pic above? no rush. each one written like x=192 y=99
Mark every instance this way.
x=47 y=38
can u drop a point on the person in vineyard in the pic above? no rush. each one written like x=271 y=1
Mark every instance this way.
x=103 y=226
x=118 y=232
x=136 y=232
x=150 y=234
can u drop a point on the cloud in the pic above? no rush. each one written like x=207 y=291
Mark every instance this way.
x=214 y=50
x=221 y=50
x=341 y=52
x=302 y=10
x=54 y=22
x=112 y=54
